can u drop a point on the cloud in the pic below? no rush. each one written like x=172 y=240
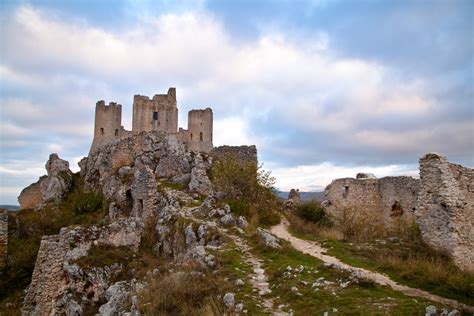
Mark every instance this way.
x=317 y=177
x=295 y=94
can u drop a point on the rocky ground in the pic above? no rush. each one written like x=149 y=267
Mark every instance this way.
x=144 y=230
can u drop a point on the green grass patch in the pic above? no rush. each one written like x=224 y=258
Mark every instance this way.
x=364 y=298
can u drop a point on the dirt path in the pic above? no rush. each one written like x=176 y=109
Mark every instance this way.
x=258 y=278
x=314 y=249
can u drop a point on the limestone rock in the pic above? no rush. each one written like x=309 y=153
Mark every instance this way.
x=242 y=222
x=227 y=219
x=48 y=189
x=364 y=175
x=200 y=182
x=269 y=239
x=229 y=300
x=444 y=211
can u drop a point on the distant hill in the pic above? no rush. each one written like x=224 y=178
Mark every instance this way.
x=305 y=196
x=10 y=207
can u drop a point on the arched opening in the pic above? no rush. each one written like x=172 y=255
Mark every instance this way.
x=397 y=210
x=116 y=132
x=191 y=136
x=200 y=136
x=102 y=131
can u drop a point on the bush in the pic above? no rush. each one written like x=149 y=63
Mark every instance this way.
x=247 y=189
x=313 y=212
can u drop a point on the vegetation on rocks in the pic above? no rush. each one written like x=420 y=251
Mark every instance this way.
x=28 y=226
x=248 y=189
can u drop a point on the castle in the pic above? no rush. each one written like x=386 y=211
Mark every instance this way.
x=159 y=113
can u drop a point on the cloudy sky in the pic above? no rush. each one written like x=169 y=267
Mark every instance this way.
x=323 y=88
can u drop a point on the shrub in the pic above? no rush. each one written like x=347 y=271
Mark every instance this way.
x=313 y=212
x=247 y=189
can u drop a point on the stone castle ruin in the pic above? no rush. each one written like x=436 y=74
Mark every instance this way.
x=445 y=208
x=392 y=196
x=441 y=202
x=159 y=113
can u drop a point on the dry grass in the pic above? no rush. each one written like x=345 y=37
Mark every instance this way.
x=189 y=292
x=360 y=225
x=303 y=227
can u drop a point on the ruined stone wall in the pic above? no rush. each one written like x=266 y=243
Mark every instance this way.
x=55 y=275
x=445 y=208
x=3 y=237
x=243 y=154
x=48 y=279
x=157 y=114
x=390 y=196
x=200 y=130
x=108 y=121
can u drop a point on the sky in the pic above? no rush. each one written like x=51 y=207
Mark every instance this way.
x=324 y=88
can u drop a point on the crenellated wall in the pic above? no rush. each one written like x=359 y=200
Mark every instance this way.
x=157 y=114
x=445 y=208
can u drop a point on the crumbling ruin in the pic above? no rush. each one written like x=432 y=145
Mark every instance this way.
x=392 y=197
x=159 y=113
x=445 y=208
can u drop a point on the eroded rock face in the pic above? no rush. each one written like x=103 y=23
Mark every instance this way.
x=49 y=189
x=445 y=208
x=56 y=277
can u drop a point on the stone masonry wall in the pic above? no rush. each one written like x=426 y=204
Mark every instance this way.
x=445 y=208
x=390 y=196
x=3 y=237
x=243 y=154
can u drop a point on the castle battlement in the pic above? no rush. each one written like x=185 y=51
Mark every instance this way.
x=159 y=113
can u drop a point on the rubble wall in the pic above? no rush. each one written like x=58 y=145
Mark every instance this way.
x=390 y=196
x=243 y=154
x=445 y=208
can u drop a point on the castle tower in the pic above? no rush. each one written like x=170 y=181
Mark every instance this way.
x=108 y=120
x=200 y=130
x=158 y=114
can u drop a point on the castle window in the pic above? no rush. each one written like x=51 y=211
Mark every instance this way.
x=200 y=136
x=101 y=131
x=345 y=191
x=155 y=116
x=191 y=136
x=116 y=132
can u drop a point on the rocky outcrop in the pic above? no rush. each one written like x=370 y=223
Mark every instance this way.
x=3 y=237
x=48 y=189
x=129 y=170
x=389 y=197
x=56 y=277
x=445 y=208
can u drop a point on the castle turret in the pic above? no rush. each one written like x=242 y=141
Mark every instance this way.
x=108 y=120
x=200 y=130
x=158 y=114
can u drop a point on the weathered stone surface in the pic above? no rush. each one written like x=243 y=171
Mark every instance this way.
x=229 y=300
x=48 y=189
x=269 y=239
x=54 y=276
x=294 y=195
x=445 y=208
x=390 y=196
x=364 y=175
x=3 y=236
x=200 y=182
x=242 y=154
